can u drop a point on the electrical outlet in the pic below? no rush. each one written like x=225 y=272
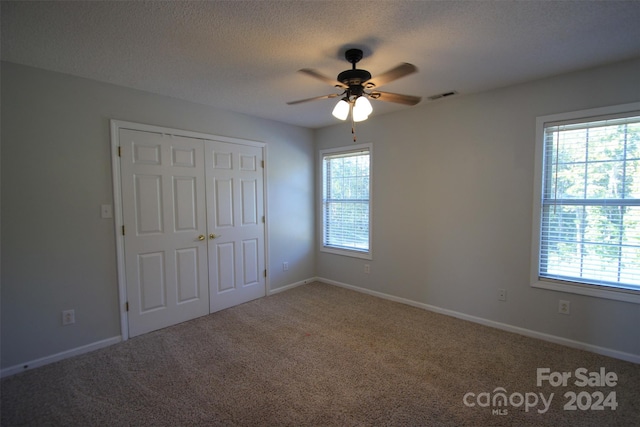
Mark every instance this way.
x=564 y=307
x=367 y=268
x=68 y=317
x=502 y=294
x=285 y=266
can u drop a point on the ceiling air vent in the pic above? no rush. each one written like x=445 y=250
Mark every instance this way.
x=442 y=95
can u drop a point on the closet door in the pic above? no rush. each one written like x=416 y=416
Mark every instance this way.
x=165 y=241
x=235 y=218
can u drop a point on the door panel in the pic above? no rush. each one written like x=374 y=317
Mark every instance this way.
x=153 y=290
x=146 y=153
x=224 y=266
x=185 y=203
x=184 y=157
x=250 y=262
x=164 y=213
x=235 y=208
x=187 y=274
x=249 y=202
x=223 y=195
x=148 y=204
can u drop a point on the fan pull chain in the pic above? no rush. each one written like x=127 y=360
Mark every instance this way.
x=353 y=127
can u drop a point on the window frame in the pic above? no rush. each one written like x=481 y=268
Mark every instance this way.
x=368 y=254
x=599 y=291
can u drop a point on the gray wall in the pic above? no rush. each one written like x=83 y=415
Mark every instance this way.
x=57 y=252
x=453 y=184
x=452 y=206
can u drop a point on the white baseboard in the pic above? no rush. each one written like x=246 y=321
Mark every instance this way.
x=291 y=286
x=12 y=370
x=629 y=357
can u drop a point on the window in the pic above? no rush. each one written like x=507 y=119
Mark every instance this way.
x=588 y=230
x=346 y=204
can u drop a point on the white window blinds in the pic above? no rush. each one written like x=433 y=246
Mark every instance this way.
x=590 y=219
x=345 y=200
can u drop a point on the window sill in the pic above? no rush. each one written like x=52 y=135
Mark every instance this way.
x=346 y=252
x=590 y=290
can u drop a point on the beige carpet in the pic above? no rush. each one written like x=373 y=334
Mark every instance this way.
x=318 y=355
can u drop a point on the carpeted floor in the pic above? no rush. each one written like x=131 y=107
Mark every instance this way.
x=320 y=355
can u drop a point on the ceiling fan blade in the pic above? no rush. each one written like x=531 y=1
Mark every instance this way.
x=395 y=97
x=401 y=70
x=322 y=77
x=333 y=95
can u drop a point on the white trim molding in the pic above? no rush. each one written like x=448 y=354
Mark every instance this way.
x=115 y=127
x=291 y=286
x=320 y=226
x=617 y=293
x=629 y=357
x=12 y=370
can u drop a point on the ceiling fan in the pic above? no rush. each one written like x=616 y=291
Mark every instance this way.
x=358 y=85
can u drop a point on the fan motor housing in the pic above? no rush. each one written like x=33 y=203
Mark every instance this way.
x=354 y=77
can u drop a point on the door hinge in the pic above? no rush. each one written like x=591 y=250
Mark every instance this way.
x=265 y=272
x=123 y=230
x=119 y=151
x=126 y=306
x=263 y=220
x=263 y=164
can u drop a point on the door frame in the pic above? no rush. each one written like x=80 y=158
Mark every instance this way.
x=115 y=126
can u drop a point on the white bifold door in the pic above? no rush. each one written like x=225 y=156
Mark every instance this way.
x=193 y=227
x=235 y=219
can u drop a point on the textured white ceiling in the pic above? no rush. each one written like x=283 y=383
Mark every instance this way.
x=243 y=55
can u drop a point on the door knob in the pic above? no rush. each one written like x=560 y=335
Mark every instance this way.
x=201 y=237
x=212 y=236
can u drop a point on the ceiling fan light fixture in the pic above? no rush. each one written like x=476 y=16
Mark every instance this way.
x=363 y=106
x=341 y=110
x=359 y=116
x=353 y=82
